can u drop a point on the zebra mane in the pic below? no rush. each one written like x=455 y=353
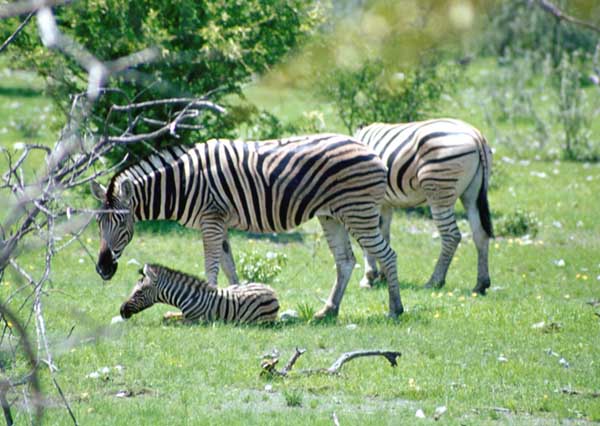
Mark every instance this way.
x=164 y=157
x=181 y=277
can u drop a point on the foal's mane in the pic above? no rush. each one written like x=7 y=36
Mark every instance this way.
x=188 y=279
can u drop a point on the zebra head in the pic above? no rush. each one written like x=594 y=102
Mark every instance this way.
x=144 y=294
x=116 y=225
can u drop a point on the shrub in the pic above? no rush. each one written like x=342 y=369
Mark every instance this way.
x=256 y=267
x=213 y=47
x=517 y=224
x=305 y=311
x=377 y=91
x=293 y=398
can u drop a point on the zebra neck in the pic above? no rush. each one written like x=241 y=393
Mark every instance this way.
x=159 y=198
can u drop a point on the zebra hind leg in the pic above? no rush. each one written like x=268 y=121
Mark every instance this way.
x=371 y=272
x=339 y=244
x=480 y=236
x=445 y=221
x=366 y=231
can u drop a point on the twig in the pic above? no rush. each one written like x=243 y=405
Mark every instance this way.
x=560 y=15
x=391 y=356
x=268 y=366
x=14 y=35
x=292 y=361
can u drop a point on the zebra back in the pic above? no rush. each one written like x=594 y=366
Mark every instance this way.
x=428 y=153
x=267 y=186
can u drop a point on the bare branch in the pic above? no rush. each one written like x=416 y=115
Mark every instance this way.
x=28 y=6
x=560 y=15
x=391 y=356
x=268 y=365
x=14 y=35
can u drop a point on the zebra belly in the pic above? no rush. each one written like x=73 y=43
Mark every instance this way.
x=402 y=201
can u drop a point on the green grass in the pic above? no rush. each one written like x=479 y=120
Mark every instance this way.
x=478 y=356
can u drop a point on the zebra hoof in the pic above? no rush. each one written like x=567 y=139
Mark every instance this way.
x=482 y=286
x=435 y=284
x=173 y=316
x=366 y=283
x=327 y=312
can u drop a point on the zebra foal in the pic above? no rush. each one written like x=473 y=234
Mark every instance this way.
x=268 y=186
x=199 y=300
x=435 y=162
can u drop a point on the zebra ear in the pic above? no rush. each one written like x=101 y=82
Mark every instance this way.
x=126 y=191
x=98 y=191
x=150 y=272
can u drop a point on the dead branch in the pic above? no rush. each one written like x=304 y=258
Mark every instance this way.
x=268 y=365
x=391 y=356
x=36 y=211
x=562 y=16
x=28 y=6
x=14 y=35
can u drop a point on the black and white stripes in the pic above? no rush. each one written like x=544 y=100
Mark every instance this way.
x=198 y=300
x=437 y=162
x=268 y=186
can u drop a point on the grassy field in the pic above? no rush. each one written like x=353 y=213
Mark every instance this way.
x=488 y=360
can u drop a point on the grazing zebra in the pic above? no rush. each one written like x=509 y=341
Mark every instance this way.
x=268 y=186
x=437 y=162
x=199 y=300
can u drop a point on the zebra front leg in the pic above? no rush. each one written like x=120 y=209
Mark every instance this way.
x=445 y=221
x=339 y=244
x=213 y=235
x=227 y=263
x=371 y=273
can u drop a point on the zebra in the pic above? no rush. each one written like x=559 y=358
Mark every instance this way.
x=437 y=162
x=268 y=186
x=198 y=300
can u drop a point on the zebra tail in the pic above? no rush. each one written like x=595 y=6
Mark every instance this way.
x=482 y=201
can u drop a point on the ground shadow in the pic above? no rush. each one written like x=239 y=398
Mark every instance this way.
x=20 y=92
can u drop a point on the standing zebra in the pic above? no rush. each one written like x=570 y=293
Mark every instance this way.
x=437 y=162
x=268 y=186
x=199 y=300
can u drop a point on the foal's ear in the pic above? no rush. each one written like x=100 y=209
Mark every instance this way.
x=98 y=191
x=150 y=272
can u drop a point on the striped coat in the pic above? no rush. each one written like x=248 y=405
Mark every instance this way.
x=198 y=300
x=268 y=186
x=436 y=162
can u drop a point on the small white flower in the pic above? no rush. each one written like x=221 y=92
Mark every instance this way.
x=502 y=358
x=420 y=414
x=559 y=262
x=352 y=326
x=94 y=375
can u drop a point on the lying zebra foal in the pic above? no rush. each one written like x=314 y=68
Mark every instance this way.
x=199 y=300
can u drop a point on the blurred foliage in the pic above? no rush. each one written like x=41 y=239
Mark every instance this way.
x=517 y=224
x=256 y=267
x=517 y=26
x=212 y=46
x=572 y=111
x=376 y=92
